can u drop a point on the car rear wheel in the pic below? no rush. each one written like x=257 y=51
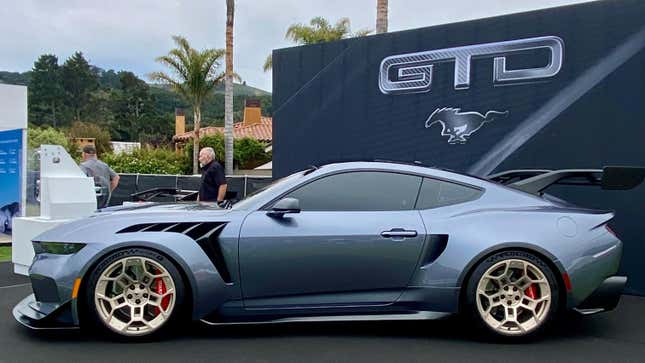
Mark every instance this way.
x=513 y=294
x=134 y=293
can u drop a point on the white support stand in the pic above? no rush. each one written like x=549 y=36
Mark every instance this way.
x=66 y=193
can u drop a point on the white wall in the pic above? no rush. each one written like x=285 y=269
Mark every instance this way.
x=13 y=107
x=124 y=147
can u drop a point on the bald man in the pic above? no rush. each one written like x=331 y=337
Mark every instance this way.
x=213 y=184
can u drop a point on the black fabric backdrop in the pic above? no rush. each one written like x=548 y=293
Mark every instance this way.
x=328 y=106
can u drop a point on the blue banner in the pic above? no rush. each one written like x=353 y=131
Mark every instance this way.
x=10 y=177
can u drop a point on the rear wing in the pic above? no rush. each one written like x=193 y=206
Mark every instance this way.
x=535 y=181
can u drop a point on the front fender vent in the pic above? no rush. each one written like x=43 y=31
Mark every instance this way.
x=205 y=234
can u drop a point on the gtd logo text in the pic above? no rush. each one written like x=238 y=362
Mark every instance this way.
x=412 y=72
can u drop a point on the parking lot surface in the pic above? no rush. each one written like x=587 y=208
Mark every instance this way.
x=614 y=336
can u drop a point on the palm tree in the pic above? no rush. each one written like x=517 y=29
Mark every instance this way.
x=195 y=75
x=381 y=16
x=268 y=63
x=228 y=95
x=319 y=30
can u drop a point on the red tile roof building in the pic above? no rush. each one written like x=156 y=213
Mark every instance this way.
x=261 y=131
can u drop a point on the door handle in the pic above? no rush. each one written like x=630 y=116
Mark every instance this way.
x=399 y=232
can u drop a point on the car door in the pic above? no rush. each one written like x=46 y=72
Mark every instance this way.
x=356 y=240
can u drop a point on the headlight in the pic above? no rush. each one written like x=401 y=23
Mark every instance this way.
x=57 y=248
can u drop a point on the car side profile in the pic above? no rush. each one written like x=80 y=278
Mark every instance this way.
x=345 y=241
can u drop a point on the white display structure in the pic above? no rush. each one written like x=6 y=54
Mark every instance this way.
x=66 y=193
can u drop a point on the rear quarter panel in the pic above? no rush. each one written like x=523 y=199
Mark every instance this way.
x=570 y=238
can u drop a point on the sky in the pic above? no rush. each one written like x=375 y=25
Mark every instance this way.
x=130 y=34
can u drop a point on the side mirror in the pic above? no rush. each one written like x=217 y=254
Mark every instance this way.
x=284 y=206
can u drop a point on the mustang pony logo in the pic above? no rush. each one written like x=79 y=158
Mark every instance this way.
x=458 y=125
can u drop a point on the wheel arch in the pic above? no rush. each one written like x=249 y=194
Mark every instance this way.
x=188 y=279
x=554 y=264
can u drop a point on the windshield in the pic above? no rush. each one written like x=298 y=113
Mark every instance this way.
x=267 y=190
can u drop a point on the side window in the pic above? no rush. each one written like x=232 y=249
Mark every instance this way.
x=437 y=193
x=359 y=191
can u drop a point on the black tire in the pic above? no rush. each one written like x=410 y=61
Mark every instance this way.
x=470 y=307
x=93 y=319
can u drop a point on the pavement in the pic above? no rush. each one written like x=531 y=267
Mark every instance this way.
x=617 y=336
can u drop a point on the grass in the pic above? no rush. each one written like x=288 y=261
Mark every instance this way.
x=5 y=254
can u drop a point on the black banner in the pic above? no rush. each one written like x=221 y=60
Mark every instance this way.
x=556 y=88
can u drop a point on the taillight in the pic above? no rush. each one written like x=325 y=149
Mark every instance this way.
x=611 y=230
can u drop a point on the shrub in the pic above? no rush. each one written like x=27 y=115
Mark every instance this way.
x=149 y=161
x=247 y=152
x=37 y=136
x=46 y=135
x=216 y=141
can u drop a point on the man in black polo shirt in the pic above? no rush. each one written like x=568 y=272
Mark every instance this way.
x=213 y=185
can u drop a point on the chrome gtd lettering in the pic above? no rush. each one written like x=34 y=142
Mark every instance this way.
x=412 y=72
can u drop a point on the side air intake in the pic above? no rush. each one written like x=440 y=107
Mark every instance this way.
x=205 y=234
x=437 y=243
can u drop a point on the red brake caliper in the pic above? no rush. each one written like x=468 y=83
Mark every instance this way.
x=160 y=288
x=531 y=291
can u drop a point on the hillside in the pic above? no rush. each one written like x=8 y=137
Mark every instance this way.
x=238 y=89
x=128 y=107
x=165 y=101
x=21 y=79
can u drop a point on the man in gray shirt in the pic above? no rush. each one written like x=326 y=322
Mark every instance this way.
x=103 y=175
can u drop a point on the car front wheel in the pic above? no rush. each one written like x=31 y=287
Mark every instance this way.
x=134 y=292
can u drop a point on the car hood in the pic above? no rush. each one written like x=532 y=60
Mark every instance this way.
x=103 y=225
x=159 y=207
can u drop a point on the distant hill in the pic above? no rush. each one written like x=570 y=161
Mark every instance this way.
x=238 y=90
x=244 y=90
x=164 y=100
x=21 y=79
x=107 y=78
x=213 y=108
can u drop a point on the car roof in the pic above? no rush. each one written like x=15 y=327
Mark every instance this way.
x=403 y=167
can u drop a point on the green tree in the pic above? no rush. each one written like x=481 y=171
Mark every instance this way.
x=133 y=108
x=249 y=152
x=216 y=141
x=90 y=130
x=99 y=108
x=319 y=30
x=228 y=93
x=46 y=135
x=107 y=79
x=79 y=81
x=196 y=73
x=37 y=136
x=268 y=63
x=46 y=94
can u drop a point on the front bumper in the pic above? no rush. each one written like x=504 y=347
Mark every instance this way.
x=605 y=297
x=38 y=315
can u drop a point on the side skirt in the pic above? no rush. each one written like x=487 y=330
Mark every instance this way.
x=418 y=315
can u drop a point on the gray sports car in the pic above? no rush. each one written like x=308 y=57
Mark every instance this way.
x=345 y=241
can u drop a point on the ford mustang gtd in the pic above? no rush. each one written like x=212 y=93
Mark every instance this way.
x=345 y=241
